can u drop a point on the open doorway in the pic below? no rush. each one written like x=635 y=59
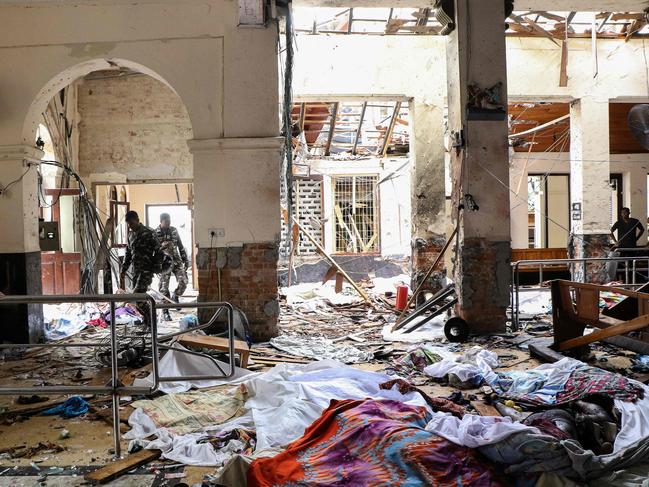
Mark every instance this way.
x=149 y=200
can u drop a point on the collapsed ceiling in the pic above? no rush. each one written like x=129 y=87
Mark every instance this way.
x=554 y=25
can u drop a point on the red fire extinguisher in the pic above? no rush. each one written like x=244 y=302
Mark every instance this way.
x=402 y=297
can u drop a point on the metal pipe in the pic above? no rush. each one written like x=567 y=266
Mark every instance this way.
x=527 y=263
x=114 y=366
x=51 y=345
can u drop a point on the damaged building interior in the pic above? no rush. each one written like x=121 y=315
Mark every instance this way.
x=324 y=243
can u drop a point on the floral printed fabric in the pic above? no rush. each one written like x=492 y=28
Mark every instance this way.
x=372 y=443
x=192 y=411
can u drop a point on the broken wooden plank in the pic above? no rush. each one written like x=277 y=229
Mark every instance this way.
x=563 y=75
x=485 y=409
x=611 y=331
x=332 y=127
x=120 y=467
x=544 y=353
x=389 y=132
x=216 y=343
x=330 y=259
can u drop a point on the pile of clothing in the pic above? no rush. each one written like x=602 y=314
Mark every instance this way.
x=328 y=424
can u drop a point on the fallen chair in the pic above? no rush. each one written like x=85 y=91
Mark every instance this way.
x=575 y=306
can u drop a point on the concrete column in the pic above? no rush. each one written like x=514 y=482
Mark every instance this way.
x=476 y=62
x=590 y=192
x=236 y=197
x=20 y=257
x=427 y=193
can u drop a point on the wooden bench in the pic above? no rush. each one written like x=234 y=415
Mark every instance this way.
x=540 y=254
x=192 y=340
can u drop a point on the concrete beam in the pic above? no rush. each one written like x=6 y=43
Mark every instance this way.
x=583 y=5
x=561 y=5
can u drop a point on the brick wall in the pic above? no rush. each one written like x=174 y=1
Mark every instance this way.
x=135 y=126
x=248 y=281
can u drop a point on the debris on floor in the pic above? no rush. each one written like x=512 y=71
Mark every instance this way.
x=332 y=390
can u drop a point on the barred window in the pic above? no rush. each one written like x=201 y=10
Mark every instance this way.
x=357 y=214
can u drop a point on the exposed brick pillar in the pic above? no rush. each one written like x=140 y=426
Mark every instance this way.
x=477 y=99
x=248 y=281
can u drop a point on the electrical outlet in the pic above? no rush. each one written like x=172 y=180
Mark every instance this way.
x=217 y=232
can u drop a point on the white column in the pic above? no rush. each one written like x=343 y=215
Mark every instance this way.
x=236 y=183
x=590 y=192
x=590 y=166
x=19 y=199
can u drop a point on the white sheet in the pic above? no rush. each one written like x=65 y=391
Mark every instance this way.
x=176 y=363
x=283 y=403
x=635 y=421
x=289 y=398
x=474 y=431
x=474 y=365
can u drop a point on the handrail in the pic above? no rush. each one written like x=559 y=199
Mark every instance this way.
x=115 y=388
x=515 y=266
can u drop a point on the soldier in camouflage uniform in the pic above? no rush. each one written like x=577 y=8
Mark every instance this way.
x=141 y=250
x=170 y=240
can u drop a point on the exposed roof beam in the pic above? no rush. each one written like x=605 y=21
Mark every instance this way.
x=332 y=127
x=534 y=5
x=583 y=5
x=534 y=26
x=364 y=3
x=539 y=128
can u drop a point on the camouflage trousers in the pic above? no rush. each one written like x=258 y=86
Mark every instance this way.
x=178 y=270
x=141 y=282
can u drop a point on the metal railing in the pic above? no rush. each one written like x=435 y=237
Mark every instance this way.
x=630 y=271
x=115 y=388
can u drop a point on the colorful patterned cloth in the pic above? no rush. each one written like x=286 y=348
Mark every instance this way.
x=570 y=381
x=414 y=361
x=372 y=443
x=587 y=381
x=193 y=411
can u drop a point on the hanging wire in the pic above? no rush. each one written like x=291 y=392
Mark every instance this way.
x=287 y=109
x=90 y=230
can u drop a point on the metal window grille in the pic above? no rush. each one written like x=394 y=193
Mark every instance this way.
x=357 y=214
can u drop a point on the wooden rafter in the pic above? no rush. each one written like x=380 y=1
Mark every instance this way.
x=350 y=20
x=634 y=27
x=388 y=134
x=332 y=127
x=534 y=26
x=360 y=127
x=302 y=116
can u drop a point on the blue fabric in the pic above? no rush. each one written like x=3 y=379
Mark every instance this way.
x=71 y=408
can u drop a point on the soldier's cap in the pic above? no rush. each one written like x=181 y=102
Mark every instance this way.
x=164 y=216
x=131 y=215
